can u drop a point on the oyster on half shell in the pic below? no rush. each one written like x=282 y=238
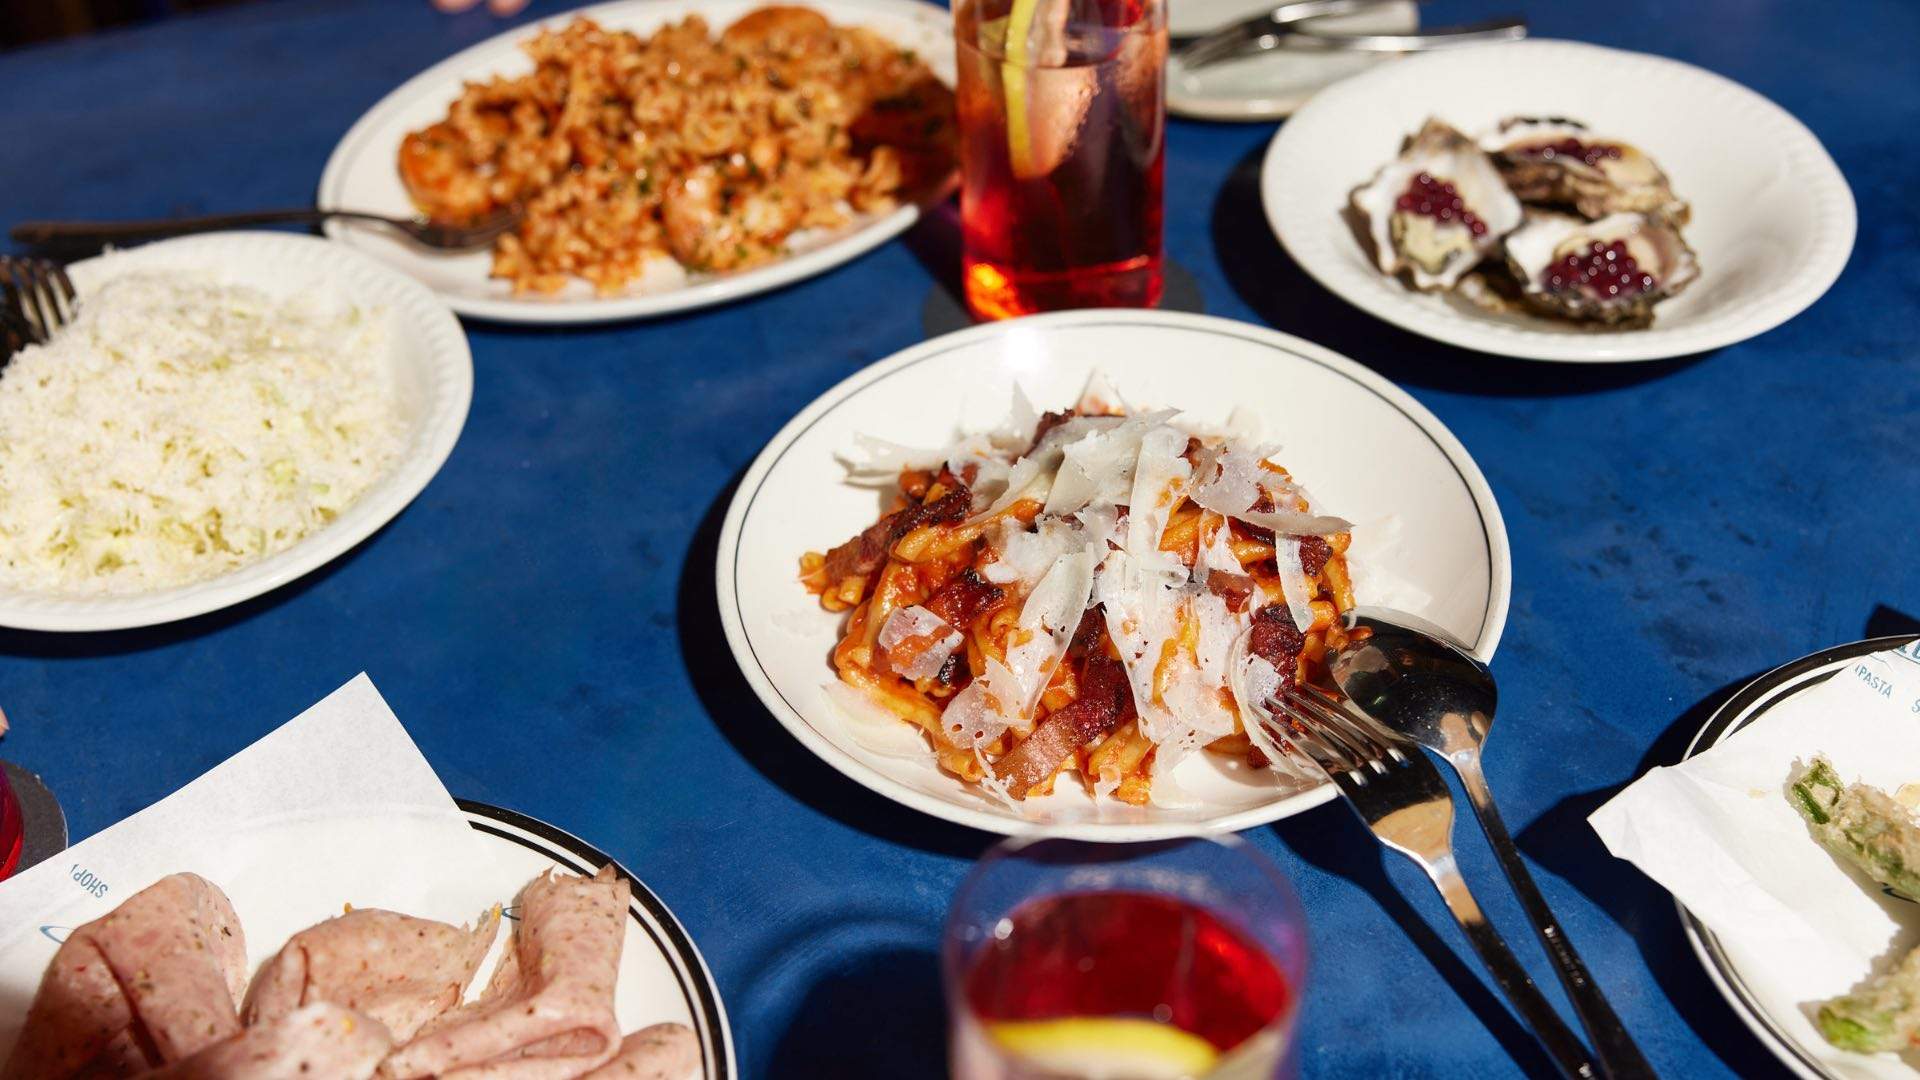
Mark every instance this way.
x=1611 y=271
x=1559 y=161
x=1437 y=210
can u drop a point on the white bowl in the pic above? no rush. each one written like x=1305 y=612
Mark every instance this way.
x=432 y=375
x=1773 y=219
x=363 y=171
x=1428 y=535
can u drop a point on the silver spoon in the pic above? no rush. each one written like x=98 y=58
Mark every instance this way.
x=1412 y=677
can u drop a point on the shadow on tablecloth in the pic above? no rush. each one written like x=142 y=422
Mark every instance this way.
x=1338 y=844
x=1561 y=841
x=1268 y=280
x=753 y=732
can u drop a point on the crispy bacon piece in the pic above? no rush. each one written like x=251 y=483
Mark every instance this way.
x=1276 y=640
x=1049 y=421
x=1090 y=632
x=1235 y=589
x=955 y=673
x=864 y=553
x=1104 y=703
x=964 y=597
x=1314 y=553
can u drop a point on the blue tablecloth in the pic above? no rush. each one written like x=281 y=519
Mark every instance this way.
x=543 y=620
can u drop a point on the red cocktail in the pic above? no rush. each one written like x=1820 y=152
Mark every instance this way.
x=1184 y=962
x=13 y=834
x=1062 y=108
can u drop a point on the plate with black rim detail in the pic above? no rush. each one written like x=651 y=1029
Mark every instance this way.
x=286 y=872
x=1753 y=701
x=661 y=972
x=1428 y=534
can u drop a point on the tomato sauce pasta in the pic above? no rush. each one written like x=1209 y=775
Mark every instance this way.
x=1086 y=593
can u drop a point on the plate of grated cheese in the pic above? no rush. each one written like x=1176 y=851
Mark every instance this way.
x=223 y=415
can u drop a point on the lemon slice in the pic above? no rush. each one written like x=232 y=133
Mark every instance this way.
x=1110 y=1047
x=1015 y=71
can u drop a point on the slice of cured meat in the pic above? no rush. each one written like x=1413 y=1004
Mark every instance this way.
x=397 y=969
x=320 y=1040
x=660 y=1052
x=547 y=1014
x=149 y=983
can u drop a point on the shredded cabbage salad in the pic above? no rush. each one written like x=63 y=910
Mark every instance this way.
x=180 y=428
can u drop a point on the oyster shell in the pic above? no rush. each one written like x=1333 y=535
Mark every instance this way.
x=1437 y=210
x=1610 y=271
x=1554 y=160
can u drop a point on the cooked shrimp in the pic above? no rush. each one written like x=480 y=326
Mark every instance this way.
x=439 y=179
x=778 y=28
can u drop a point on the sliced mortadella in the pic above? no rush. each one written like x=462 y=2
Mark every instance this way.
x=149 y=983
x=397 y=969
x=548 y=1012
x=319 y=1040
x=660 y=1052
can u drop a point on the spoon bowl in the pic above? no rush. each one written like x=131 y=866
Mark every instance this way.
x=1413 y=677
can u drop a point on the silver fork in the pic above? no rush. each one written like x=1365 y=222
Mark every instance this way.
x=36 y=298
x=1399 y=794
x=434 y=234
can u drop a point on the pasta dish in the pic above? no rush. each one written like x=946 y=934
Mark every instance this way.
x=1085 y=591
x=622 y=150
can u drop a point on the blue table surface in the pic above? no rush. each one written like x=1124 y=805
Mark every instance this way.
x=543 y=619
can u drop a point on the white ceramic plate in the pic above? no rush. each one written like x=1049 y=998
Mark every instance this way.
x=300 y=870
x=1773 y=219
x=1428 y=536
x=1779 y=1024
x=362 y=174
x=1270 y=85
x=432 y=373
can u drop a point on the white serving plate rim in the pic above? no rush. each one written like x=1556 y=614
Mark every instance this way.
x=1307 y=237
x=443 y=80
x=448 y=361
x=999 y=821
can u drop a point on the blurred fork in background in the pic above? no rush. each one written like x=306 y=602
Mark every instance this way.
x=36 y=299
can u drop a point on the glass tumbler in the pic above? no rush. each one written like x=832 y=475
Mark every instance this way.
x=13 y=834
x=1172 y=960
x=1062 y=114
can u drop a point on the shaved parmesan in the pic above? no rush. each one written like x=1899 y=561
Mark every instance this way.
x=873 y=727
x=1023 y=557
x=882 y=461
x=931 y=640
x=1255 y=682
x=1108 y=486
x=1237 y=488
x=1295 y=523
x=1022 y=419
x=1099 y=396
x=1159 y=480
x=1006 y=695
x=1096 y=470
x=1293 y=581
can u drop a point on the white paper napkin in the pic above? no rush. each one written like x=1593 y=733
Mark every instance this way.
x=1718 y=832
x=337 y=806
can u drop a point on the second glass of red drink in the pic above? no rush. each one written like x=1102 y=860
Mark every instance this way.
x=1176 y=960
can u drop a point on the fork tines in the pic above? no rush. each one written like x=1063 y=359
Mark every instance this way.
x=37 y=297
x=1337 y=741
